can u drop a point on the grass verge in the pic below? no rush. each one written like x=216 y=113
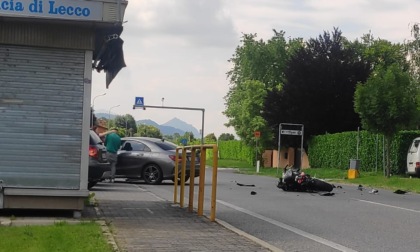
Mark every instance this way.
x=83 y=237
x=367 y=179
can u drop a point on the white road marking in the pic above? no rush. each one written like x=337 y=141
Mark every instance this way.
x=251 y=237
x=381 y=204
x=290 y=228
x=149 y=192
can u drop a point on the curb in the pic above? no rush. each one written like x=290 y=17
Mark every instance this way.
x=107 y=232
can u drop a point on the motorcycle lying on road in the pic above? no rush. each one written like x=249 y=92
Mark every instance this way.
x=295 y=180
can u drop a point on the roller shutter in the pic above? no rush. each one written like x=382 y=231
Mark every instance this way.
x=41 y=111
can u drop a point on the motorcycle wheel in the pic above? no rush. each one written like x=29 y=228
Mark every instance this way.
x=320 y=185
x=282 y=186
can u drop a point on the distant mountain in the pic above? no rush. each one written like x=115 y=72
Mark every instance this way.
x=103 y=115
x=179 y=124
x=171 y=127
x=165 y=130
x=148 y=122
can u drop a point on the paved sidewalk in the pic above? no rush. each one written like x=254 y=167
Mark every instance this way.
x=141 y=221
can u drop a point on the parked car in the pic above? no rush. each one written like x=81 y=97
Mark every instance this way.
x=413 y=158
x=99 y=167
x=151 y=159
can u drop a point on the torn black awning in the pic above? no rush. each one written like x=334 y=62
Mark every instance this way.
x=110 y=56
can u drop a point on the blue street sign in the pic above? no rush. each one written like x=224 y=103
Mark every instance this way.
x=184 y=141
x=139 y=101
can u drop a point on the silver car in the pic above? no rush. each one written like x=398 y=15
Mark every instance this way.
x=150 y=159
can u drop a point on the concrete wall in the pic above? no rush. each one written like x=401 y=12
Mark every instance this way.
x=287 y=157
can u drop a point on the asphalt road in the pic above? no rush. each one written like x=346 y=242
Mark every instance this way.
x=350 y=220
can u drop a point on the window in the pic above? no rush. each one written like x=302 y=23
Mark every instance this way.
x=166 y=145
x=137 y=146
x=94 y=139
x=127 y=147
x=415 y=146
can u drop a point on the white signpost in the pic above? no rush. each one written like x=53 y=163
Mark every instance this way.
x=292 y=132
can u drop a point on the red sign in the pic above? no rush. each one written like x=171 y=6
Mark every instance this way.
x=257 y=134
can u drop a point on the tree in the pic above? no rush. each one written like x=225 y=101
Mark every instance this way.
x=126 y=122
x=257 y=68
x=210 y=138
x=176 y=137
x=387 y=103
x=320 y=80
x=189 y=136
x=148 y=131
x=226 y=137
x=245 y=111
x=412 y=48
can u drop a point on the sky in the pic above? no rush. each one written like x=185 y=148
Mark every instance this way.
x=177 y=51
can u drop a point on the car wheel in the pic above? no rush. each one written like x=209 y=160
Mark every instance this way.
x=91 y=184
x=152 y=174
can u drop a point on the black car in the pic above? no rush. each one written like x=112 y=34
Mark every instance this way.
x=99 y=167
x=151 y=159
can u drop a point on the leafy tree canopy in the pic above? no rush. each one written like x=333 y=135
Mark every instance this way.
x=148 y=131
x=210 y=138
x=127 y=123
x=245 y=111
x=387 y=103
x=226 y=137
x=257 y=67
x=320 y=80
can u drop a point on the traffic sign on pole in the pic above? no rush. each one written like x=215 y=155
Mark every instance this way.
x=139 y=101
x=291 y=132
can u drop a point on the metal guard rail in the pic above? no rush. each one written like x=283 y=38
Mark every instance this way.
x=201 y=184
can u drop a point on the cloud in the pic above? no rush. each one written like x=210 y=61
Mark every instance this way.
x=189 y=23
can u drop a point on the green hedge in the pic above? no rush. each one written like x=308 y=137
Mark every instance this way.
x=234 y=150
x=336 y=150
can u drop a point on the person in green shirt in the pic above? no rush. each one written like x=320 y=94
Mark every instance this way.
x=113 y=144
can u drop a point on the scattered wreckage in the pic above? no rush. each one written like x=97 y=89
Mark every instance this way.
x=295 y=180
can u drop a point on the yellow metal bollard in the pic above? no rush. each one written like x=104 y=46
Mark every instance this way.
x=214 y=186
x=201 y=181
x=183 y=168
x=201 y=184
x=192 y=176
x=176 y=176
x=353 y=171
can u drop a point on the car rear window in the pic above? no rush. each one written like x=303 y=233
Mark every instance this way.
x=94 y=138
x=166 y=145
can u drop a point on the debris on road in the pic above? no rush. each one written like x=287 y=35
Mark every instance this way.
x=400 y=191
x=327 y=194
x=360 y=188
x=239 y=184
x=374 y=191
x=253 y=192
